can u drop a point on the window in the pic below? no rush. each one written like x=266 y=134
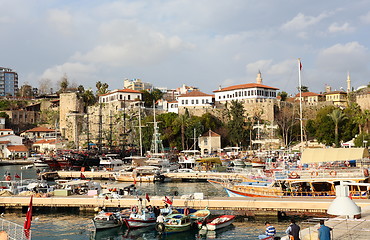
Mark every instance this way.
x=196 y=101
x=192 y=101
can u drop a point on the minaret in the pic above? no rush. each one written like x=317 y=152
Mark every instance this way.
x=348 y=83
x=259 y=78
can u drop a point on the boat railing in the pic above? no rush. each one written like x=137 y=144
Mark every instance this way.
x=14 y=231
x=351 y=172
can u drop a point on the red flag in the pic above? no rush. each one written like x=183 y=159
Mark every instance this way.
x=17 y=176
x=300 y=65
x=28 y=220
x=134 y=180
x=82 y=176
x=167 y=200
x=147 y=197
x=106 y=197
x=350 y=195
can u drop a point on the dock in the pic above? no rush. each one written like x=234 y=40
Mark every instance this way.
x=88 y=203
x=194 y=176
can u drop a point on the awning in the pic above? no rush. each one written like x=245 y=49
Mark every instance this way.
x=313 y=155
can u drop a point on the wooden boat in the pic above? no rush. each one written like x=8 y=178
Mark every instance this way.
x=174 y=223
x=105 y=220
x=216 y=223
x=200 y=215
x=304 y=184
x=140 y=218
x=139 y=174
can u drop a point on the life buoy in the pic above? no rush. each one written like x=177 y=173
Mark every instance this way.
x=186 y=211
x=314 y=174
x=293 y=175
x=366 y=172
x=333 y=173
x=8 y=178
x=176 y=193
x=160 y=227
x=134 y=209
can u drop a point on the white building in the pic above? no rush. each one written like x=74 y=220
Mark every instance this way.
x=136 y=84
x=254 y=91
x=195 y=99
x=120 y=95
x=6 y=132
x=209 y=143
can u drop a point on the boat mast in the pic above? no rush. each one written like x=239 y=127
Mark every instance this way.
x=140 y=136
x=300 y=99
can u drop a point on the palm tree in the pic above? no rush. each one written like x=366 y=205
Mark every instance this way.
x=337 y=116
x=183 y=121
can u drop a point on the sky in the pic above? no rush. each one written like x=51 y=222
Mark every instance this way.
x=202 y=43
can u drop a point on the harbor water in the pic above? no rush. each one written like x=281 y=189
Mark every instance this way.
x=56 y=224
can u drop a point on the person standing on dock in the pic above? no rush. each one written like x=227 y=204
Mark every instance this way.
x=270 y=231
x=324 y=231
x=293 y=230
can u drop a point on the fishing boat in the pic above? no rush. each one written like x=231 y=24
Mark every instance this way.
x=140 y=217
x=318 y=183
x=174 y=223
x=139 y=174
x=105 y=220
x=216 y=223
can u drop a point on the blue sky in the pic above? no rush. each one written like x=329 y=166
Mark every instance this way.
x=202 y=43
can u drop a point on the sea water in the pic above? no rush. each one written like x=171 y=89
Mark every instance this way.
x=56 y=224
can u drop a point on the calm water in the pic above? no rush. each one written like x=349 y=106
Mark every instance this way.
x=68 y=225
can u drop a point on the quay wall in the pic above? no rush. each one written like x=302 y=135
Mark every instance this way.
x=217 y=203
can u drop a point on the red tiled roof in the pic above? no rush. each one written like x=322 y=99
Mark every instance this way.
x=195 y=94
x=6 y=129
x=308 y=94
x=126 y=90
x=17 y=148
x=173 y=102
x=4 y=142
x=46 y=141
x=40 y=129
x=212 y=133
x=243 y=86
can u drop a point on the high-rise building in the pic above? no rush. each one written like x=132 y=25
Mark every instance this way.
x=8 y=82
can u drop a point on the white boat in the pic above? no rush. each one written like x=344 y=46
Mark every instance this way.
x=105 y=220
x=39 y=163
x=217 y=222
x=111 y=162
x=27 y=166
x=140 y=218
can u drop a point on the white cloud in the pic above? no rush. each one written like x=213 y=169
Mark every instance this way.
x=75 y=70
x=343 y=57
x=260 y=65
x=129 y=44
x=345 y=27
x=62 y=20
x=366 y=18
x=301 y=21
x=283 y=68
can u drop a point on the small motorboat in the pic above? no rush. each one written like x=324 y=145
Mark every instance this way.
x=199 y=215
x=140 y=217
x=175 y=223
x=216 y=223
x=105 y=220
x=27 y=166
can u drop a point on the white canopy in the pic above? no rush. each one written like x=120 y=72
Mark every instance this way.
x=313 y=155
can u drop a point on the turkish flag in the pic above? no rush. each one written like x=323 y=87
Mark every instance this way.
x=147 y=197
x=27 y=222
x=167 y=200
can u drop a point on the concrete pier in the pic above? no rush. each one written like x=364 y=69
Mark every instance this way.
x=217 y=203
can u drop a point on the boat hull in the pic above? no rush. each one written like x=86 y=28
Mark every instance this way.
x=177 y=228
x=135 y=223
x=103 y=224
x=215 y=226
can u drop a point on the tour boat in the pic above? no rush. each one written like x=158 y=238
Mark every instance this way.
x=174 y=223
x=105 y=220
x=318 y=183
x=140 y=218
x=216 y=223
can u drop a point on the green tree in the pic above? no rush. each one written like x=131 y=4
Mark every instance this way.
x=337 y=116
x=283 y=95
x=102 y=88
x=236 y=125
x=183 y=120
x=64 y=84
x=321 y=127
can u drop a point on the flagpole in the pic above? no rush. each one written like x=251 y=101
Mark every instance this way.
x=300 y=98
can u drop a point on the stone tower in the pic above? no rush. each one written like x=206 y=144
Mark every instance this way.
x=348 y=83
x=259 y=78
